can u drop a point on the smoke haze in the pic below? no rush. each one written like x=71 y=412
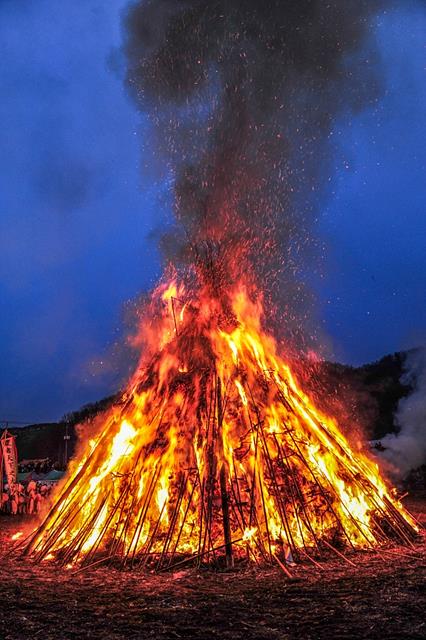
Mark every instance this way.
x=406 y=450
x=243 y=95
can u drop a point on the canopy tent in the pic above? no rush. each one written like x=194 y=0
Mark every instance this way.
x=26 y=476
x=53 y=476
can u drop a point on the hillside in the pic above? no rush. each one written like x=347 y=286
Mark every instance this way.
x=369 y=394
x=39 y=441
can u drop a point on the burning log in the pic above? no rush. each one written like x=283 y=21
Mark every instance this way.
x=216 y=449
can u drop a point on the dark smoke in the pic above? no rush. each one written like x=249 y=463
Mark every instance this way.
x=244 y=95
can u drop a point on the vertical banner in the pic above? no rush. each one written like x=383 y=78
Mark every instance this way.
x=1 y=471
x=10 y=458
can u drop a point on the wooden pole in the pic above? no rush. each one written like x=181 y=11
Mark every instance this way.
x=223 y=488
x=225 y=513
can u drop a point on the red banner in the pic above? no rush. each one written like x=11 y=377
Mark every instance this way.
x=1 y=470
x=10 y=458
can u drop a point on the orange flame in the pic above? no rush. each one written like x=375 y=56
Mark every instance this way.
x=216 y=427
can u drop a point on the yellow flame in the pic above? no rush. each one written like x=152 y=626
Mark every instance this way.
x=217 y=410
x=17 y=535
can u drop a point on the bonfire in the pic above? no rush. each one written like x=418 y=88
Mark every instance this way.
x=216 y=454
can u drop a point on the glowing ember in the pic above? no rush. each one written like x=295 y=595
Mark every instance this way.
x=17 y=535
x=216 y=449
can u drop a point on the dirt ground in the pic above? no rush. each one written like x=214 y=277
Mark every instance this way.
x=382 y=597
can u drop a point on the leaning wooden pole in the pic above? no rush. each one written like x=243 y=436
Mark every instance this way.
x=229 y=558
x=226 y=523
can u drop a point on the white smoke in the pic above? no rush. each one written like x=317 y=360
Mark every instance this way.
x=406 y=450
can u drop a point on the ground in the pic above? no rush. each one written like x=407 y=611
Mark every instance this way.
x=382 y=597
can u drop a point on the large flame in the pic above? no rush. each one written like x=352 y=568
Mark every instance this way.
x=216 y=446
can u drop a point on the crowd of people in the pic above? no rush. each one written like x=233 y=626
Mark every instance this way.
x=32 y=487
x=39 y=466
x=19 y=499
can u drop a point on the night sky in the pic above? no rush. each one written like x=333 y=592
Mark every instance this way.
x=80 y=210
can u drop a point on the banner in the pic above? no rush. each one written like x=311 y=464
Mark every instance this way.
x=10 y=458
x=1 y=471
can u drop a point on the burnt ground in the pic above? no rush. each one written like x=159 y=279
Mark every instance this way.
x=382 y=597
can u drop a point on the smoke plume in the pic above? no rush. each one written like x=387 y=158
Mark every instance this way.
x=244 y=95
x=406 y=450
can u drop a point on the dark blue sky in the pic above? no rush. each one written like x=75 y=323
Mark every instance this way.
x=79 y=208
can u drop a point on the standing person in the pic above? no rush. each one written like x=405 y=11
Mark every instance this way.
x=5 y=504
x=43 y=494
x=38 y=499
x=20 y=489
x=14 y=498
x=31 y=496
